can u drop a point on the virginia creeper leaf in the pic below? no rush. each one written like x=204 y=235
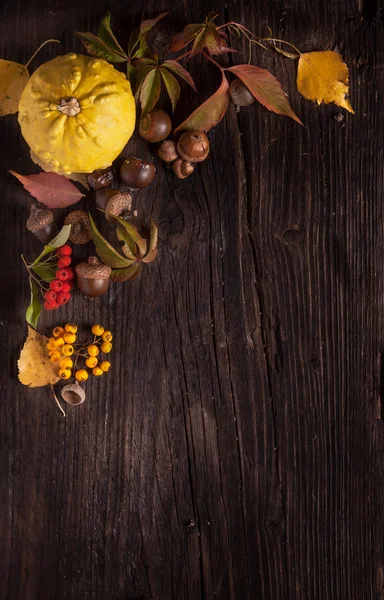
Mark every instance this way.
x=96 y=47
x=323 y=77
x=134 y=234
x=107 y=36
x=172 y=87
x=13 y=79
x=208 y=114
x=51 y=189
x=150 y=90
x=153 y=236
x=34 y=309
x=127 y=274
x=146 y=26
x=150 y=256
x=128 y=247
x=205 y=35
x=266 y=89
x=173 y=65
x=106 y=251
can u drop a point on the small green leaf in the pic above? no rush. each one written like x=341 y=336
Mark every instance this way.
x=127 y=274
x=96 y=47
x=107 y=36
x=59 y=240
x=171 y=86
x=44 y=272
x=133 y=41
x=142 y=51
x=150 y=90
x=134 y=234
x=34 y=309
x=107 y=253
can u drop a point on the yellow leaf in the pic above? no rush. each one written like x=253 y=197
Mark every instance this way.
x=13 y=79
x=35 y=368
x=323 y=77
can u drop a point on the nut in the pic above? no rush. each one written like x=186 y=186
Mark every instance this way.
x=81 y=230
x=101 y=178
x=155 y=126
x=167 y=151
x=193 y=146
x=240 y=94
x=93 y=277
x=73 y=394
x=136 y=173
x=182 y=168
x=41 y=224
x=118 y=205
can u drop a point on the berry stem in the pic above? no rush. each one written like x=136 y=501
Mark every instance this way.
x=57 y=400
x=30 y=273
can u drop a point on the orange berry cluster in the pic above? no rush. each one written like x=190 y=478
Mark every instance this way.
x=62 y=348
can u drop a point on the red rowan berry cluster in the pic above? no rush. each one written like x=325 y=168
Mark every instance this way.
x=59 y=291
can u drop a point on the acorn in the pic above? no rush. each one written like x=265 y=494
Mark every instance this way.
x=81 y=230
x=136 y=173
x=193 y=146
x=93 y=277
x=101 y=178
x=167 y=151
x=182 y=168
x=114 y=202
x=41 y=223
x=73 y=394
x=240 y=94
x=155 y=126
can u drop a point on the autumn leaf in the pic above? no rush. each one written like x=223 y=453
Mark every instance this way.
x=51 y=189
x=78 y=177
x=97 y=47
x=323 y=77
x=204 y=36
x=208 y=114
x=133 y=233
x=108 y=37
x=127 y=274
x=106 y=251
x=146 y=26
x=173 y=65
x=13 y=79
x=266 y=89
x=150 y=90
x=149 y=77
x=35 y=368
x=172 y=87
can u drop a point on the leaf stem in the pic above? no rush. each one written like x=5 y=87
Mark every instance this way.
x=183 y=55
x=42 y=288
x=281 y=42
x=38 y=50
x=57 y=400
x=212 y=60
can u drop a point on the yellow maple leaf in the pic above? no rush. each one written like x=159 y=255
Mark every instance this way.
x=35 y=368
x=323 y=77
x=13 y=79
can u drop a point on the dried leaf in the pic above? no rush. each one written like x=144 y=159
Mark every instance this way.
x=266 y=89
x=153 y=235
x=128 y=247
x=35 y=368
x=107 y=36
x=173 y=65
x=13 y=79
x=172 y=87
x=181 y=40
x=205 y=35
x=106 y=251
x=150 y=90
x=134 y=234
x=78 y=177
x=210 y=112
x=150 y=256
x=96 y=47
x=146 y=26
x=34 y=309
x=53 y=190
x=127 y=274
x=323 y=77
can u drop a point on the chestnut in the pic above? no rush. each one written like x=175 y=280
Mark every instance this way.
x=104 y=195
x=136 y=173
x=93 y=277
x=101 y=178
x=155 y=126
x=193 y=146
x=41 y=223
x=240 y=94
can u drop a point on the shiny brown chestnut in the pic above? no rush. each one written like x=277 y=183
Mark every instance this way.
x=155 y=126
x=93 y=277
x=240 y=94
x=101 y=178
x=136 y=173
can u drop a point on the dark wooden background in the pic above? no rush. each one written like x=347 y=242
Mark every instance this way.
x=236 y=450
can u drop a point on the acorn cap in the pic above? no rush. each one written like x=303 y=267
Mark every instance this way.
x=73 y=394
x=167 y=151
x=81 y=230
x=93 y=269
x=193 y=146
x=117 y=205
x=39 y=218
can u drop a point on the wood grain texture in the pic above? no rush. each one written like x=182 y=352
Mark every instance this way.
x=236 y=450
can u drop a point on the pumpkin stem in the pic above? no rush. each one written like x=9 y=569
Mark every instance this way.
x=69 y=106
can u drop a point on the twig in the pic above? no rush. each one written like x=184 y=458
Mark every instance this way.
x=57 y=401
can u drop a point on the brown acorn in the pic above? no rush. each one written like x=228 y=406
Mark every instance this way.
x=93 y=277
x=240 y=94
x=193 y=146
x=81 y=230
x=114 y=202
x=167 y=151
x=136 y=173
x=73 y=394
x=155 y=126
x=41 y=223
x=101 y=178
x=182 y=168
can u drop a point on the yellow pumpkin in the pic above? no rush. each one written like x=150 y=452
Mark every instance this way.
x=77 y=113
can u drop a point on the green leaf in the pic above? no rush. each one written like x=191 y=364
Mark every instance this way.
x=142 y=51
x=208 y=114
x=106 y=251
x=107 y=36
x=171 y=86
x=133 y=41
x=44 y=272
x=150 y=256
x=34 y=309
x=129 y=273
x=146 y=26
x=96 y=47
x=173 y=65
x=59 y=240
x=129 y=247
x=134 y=234
x=150 y=90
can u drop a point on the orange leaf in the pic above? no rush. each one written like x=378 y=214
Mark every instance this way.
x=55 y=191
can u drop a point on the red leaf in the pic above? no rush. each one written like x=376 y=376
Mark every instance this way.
x=173 y=65
x=210 y=112
x=266 y=89
x=51 y=189
x=180 y=40
x=146 y=26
